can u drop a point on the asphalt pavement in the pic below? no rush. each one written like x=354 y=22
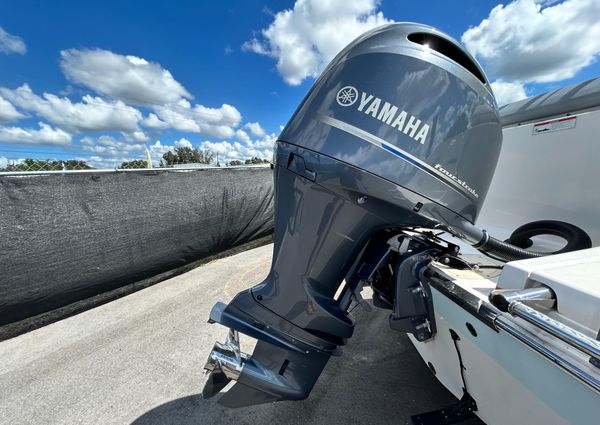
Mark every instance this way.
x=139 y=360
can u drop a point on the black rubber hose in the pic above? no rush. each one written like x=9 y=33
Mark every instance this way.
x=575 y=237
x=504 y=251
x=507 y=250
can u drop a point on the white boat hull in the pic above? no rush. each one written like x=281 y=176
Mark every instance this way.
x=510 y=382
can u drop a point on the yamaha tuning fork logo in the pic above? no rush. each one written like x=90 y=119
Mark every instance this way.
x=347 y=96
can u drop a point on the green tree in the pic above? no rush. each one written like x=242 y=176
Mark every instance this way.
x=136 y=163
x=257 y=160
x=235 y=162
x=169 y=159
x=30 y=164
x=187 y=155
x=76 y=164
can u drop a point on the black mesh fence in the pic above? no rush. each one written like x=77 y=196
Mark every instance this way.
x=66 y=237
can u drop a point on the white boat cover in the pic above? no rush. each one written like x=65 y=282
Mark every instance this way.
x=568 y=100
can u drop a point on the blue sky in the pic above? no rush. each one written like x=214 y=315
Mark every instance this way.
x=165 y=69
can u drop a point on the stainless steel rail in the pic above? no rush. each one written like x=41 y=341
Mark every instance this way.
x=540 y=296
x=504 y=323
x=514 y=302
x=557 y=329
x=504 y=304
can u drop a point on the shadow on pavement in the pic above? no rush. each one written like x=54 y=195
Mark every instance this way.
x=380 y=379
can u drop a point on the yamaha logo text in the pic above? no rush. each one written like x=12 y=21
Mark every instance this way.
x=385 y=112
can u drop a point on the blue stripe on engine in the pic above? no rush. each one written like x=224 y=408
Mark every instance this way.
x=408 y=159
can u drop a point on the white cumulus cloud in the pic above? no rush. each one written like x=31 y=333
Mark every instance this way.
x=526 y=41
x=255 y=129
x=158 y=149
x=108 y=152
x=108 y=146
x=136 y=136
x=129 y=78
x=229 y=151
x=106 y=162
x=242 y=136
x=213 y=122
x=153 y=121
x=11 y=43
x=183 y=143
x=303 y=40
x=508 y=92
x=46 y=135
x=8 y=111
x=124 y=80
x=92 y=114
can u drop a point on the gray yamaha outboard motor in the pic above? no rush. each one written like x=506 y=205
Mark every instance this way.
x=400 y=131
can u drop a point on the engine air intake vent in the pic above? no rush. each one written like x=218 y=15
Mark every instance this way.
x=448 y=49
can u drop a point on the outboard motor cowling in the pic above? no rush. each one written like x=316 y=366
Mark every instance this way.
x=401 y=130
